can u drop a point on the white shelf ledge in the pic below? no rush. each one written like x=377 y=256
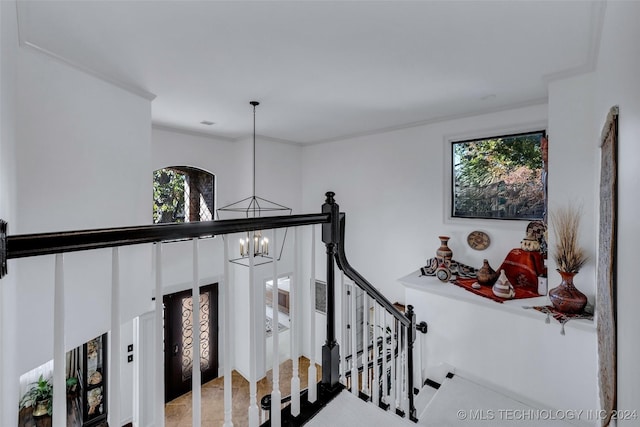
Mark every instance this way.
x=432 y=285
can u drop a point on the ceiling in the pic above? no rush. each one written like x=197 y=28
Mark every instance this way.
x=322 y=70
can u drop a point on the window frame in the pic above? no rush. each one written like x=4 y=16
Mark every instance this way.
x=448 y=176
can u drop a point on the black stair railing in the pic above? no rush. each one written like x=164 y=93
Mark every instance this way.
x=333 y=233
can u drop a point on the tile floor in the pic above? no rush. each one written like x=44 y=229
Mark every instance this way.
x=178 y=412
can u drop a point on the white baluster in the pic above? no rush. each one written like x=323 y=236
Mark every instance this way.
x=354 y=341
x=196 y=383
x=115 y=347
x=59 y=356
x=312 y=373
x=375 y=395
x=365 y=344
x=344 y=321
x=159 y=340
x=254 y=414
x=293 y=324
x=405 y=370
x=394 y=360
x=385 y=352
x=276 y=397
x=226 y=315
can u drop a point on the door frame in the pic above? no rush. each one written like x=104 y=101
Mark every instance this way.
x=172 y=391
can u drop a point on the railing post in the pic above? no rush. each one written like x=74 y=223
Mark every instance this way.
x=412 y=338
x=331 y=349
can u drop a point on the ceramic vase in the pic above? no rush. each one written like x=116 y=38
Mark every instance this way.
x=503 y=288
x=486 y=276
x=565 y=297
x=444 y=253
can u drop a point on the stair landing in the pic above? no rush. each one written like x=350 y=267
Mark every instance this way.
x=350 y=411
x=462 y=402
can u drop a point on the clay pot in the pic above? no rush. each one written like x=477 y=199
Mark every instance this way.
x=565 y=297
x=444 y=253
x=487 y=276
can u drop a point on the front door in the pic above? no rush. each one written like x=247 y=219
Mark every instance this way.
x=178 y=339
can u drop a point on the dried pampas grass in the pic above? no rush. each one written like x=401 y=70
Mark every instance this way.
x=569 y=256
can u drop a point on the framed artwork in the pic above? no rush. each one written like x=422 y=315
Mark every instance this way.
x=321 y=297
x=606 y=274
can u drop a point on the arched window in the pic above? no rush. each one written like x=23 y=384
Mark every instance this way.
x=182 y=194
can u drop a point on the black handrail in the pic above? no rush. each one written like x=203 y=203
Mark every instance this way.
x=351 y=273
x=26 y=245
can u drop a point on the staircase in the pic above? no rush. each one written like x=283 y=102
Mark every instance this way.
x=458 y=401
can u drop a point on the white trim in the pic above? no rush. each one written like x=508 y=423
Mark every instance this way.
x=477 y=134
x=184 y=131
x=434 y=120
x=115 y=349
x=598 y=9
x=23 y=42
x=59 y=417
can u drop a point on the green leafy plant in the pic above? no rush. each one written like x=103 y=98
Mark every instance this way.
x=72 y=384
x=39 y=391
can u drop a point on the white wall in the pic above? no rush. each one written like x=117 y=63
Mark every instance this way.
x=398 y=180
x=401 y=180
x=277 y=179
x=573 y=169
x=82 y=162
x=9 y=387
x=617 y=83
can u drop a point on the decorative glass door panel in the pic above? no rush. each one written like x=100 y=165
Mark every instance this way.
x=178 y=336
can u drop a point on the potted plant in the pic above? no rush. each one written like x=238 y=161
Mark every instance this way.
x=569 y=258
x=72 y=386
x=39 y=396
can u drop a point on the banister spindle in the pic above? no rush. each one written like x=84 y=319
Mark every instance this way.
x=59 y=357
x=375 y=392
x=293 y=324
x=159 y=344
x=365 y=345
x=276 y=397
x=196 y=375
x=344 y=304
x=226 y=315
x=354 y=340
x=405 y=371
x=394 y=359
x=312 y=372
x=254 y=414
x=115 y=347
x=385 y=366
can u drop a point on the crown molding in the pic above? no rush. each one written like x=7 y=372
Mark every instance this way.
x=26 y=44
x=598 y=9
x=434 y=120
x=185 y=131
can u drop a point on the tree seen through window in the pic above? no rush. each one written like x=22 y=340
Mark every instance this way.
x=499 y=177
x=182 y=194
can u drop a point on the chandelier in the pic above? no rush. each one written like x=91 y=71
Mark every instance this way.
x=254 y=207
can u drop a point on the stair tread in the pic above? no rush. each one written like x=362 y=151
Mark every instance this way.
x=350 y=411
x=462 y=402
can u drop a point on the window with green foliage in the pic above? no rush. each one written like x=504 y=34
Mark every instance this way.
x=499 y=177
x=182 y=194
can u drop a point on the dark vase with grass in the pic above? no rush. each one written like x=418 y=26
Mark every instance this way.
x=565 y=297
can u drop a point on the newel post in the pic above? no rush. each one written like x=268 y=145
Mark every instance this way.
x=330 y=349
x=3 y=248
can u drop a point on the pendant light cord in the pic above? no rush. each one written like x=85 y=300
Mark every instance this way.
x=254 y=103
x=253 y=200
